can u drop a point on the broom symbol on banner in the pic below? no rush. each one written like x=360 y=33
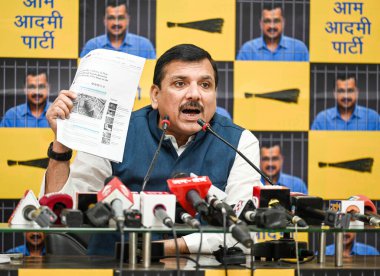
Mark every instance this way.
x=38 y=163
x=213 y=25
x=287 y=95
x=359 y=165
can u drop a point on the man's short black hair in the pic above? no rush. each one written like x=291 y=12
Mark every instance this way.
x=344 y=77
x=270 y=144
x=35 y=72
x=272 y=6
x=182 y=52
x=116 y=3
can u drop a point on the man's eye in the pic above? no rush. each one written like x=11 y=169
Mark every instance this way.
x=179 y=83
x=205 y=84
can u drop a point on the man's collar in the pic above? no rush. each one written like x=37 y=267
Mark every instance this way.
x=279 y=181
x=107 y=42
x=281 y=44
x=24 y=109
x=336 y=114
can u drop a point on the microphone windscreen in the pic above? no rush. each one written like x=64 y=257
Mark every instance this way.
x=368 y=204
x=180 y=175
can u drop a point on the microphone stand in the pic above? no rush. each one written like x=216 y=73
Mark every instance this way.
x=206 y=127
x=147 y=236
x=165 y=125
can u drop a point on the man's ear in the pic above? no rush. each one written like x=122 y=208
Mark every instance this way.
x=154 y=92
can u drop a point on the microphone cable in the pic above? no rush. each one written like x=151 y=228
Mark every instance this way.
x=252 y=258
x=165 y=124
x=197 y=265
x=206 y=127
x=122 y=247
x=224 y=213
x=176 y=251
x=296 y=241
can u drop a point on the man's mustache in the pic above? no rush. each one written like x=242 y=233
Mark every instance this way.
x=187 y=105
x=117 y=26
x=272 y=30
x=37 y=95
x=270 y=168
x=347 y=100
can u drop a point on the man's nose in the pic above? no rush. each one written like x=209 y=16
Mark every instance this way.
x=193 y=91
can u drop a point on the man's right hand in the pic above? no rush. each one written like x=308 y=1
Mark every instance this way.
x=60 y=108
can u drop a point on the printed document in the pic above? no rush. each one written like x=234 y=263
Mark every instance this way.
x=106 y=84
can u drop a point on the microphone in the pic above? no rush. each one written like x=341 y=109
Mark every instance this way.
x=183 y=217
x=165 y=123
x=206 y=127
x=274 y=203
x=238 y=228
x=43 y=216
x=29 y=212
x=100 y=214
x=310 y=208
x=57 y=202
x=263 y=194
x=118 y=196
x=157 y=208
x=190 y=192
x=72 y=217
x=371 y=220
x=159 y=212
x=261 y=217
x=369 y=207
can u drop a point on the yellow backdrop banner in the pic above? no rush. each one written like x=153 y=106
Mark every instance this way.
x=207 y=24
x=271 y=96
x=343 y=164
x=22 y=144
x=143 y=91
x=39 y=29
x=344 y=31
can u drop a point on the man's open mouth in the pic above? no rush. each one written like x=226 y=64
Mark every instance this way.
x=191 y=108
x=191 y=111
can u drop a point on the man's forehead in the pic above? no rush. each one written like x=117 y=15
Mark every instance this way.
x=276 y=12
x=118 y=9
x=182 y=69
x=347 y=82
x=272 y=150
x=39 y=77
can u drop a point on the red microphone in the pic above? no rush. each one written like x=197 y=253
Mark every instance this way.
x=190 y=193
x=57 y=202
x=118 y=196
x=369 y=207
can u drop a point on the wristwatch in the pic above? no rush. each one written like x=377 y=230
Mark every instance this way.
x=65 y=156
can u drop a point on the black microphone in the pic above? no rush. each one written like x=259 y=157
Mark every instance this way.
x=274 y=203
x=261 y=217
x=183 y=217
x=372 y=220
x=160 y=212
x=238 y=228
x=100 y=214
x=206 y=127
x=310 y=208
x=165 y=123
x=72 y=217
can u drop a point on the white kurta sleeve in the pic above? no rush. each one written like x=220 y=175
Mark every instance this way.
x=240 y=185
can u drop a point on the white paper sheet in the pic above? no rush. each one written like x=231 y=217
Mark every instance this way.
x=106 y=84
